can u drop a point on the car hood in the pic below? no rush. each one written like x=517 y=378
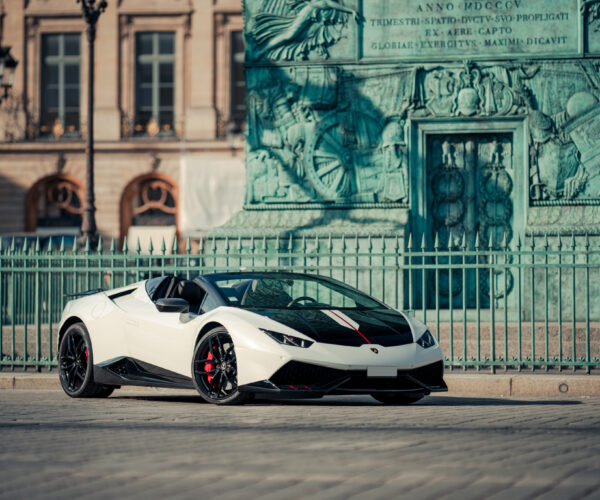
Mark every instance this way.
x=348 y=327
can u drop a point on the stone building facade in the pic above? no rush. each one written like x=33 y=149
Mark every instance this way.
x=168 y=118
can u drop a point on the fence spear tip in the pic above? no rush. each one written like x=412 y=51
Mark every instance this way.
x=491 y=242
x=125 y=244
x=112 y=245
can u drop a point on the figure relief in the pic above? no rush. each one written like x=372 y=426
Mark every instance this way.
x=269 y=180
x=591 y=9
x=496 y=152
x=441 y=92
x=392 y=185
x=447 y=152
x=291 y=29
x=471 y=94
x=262 y=178
x=557 y=171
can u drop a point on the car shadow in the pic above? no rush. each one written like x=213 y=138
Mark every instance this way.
x=359 y=401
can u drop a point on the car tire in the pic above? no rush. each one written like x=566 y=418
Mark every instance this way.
x=396 y=399
x=76 y=365
x=214 y=369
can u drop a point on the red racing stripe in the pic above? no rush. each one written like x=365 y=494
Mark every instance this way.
x=338 y=316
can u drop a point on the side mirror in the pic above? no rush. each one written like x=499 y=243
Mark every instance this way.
x=172 y=306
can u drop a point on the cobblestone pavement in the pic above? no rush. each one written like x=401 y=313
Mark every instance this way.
x=162 y=445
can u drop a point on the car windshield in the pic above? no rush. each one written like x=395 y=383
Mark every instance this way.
x=292 y=291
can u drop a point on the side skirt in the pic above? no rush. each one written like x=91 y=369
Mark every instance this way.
x=130 y=371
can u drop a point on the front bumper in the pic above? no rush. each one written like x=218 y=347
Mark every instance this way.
x=304 y=380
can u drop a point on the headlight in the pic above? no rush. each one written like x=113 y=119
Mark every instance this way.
x=288 y=339
x=426 y=340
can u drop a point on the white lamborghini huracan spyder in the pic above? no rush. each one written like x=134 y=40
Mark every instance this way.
x=235 y=335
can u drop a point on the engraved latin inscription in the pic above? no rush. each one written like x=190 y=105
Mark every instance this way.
x=498 y=28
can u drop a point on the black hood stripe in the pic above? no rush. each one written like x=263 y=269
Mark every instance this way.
x=350 y=325
x=384 y=327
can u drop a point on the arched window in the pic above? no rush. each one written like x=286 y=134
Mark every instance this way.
x=149 y=209
x=54 y=204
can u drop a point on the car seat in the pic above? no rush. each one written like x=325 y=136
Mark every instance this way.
x=192 y=293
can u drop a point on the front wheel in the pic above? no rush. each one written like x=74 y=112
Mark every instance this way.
x=214 y=369
x=75 y=361
x=396 y=399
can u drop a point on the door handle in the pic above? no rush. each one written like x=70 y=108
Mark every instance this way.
x=131 y=322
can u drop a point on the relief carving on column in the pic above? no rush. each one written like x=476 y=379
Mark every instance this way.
x=474 y=91
x=340 y=133
x=591 y=11
x=291 y=30
x=565 y=152
x=327 y=145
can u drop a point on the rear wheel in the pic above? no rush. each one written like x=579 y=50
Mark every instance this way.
x=75 y=361
x=214 y=369
x=397 y=399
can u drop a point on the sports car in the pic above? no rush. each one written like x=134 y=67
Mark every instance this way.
x=233 y=336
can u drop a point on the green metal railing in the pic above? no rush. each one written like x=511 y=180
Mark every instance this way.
x=533 y=305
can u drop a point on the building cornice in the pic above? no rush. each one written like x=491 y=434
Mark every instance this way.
x=130 y=147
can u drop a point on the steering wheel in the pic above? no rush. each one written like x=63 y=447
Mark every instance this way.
x=296 y=300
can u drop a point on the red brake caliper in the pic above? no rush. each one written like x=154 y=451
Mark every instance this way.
x=208 y=366
x=86 y=357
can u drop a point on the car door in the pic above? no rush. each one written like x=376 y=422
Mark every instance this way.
x=160 y=338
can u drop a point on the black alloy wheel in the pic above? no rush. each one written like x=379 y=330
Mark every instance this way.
x=75 y=361
x=214 y=367
x=397 y=399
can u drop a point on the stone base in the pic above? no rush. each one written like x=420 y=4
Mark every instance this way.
x=314 y=222
x=555 y=218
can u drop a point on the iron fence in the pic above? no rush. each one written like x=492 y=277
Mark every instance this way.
x=534 y=305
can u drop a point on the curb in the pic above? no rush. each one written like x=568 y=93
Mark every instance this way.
x=564 y=385
x=504 y=385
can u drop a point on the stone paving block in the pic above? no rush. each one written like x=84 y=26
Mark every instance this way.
x=161 y=445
